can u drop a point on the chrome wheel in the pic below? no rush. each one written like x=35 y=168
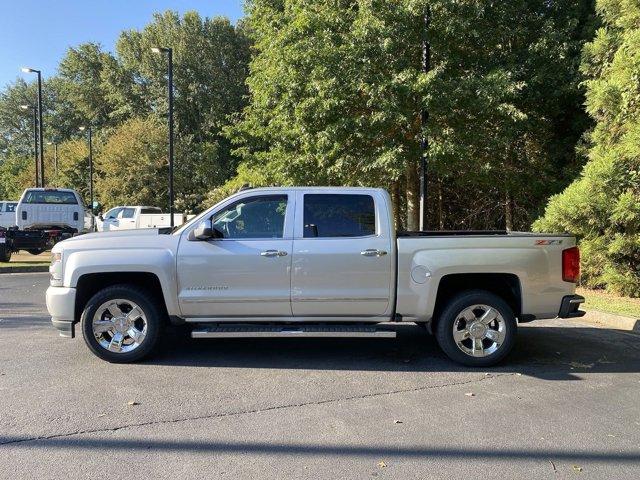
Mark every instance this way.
x=119 y=325
x=479 y=330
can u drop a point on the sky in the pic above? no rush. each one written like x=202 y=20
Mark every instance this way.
x=37 y=33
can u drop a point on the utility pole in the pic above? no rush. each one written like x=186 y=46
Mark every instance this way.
x=424 y=117
x=89 y=139
x=169 y=53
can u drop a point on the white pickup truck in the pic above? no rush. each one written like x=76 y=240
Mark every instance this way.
x=130 y=217
x=300 y=262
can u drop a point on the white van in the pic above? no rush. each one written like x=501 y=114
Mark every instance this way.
x=53 y=209
x=7 y=214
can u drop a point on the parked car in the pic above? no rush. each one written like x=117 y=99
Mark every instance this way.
x=299 y=262
x=7 y=213
x=45 y=216
x=130 y=217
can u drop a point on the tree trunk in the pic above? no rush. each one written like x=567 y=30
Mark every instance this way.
x=396 y=198
x=440 y=206
x=413 y=197
x=508 y=210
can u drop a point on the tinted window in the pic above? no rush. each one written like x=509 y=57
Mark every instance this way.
x=150 y=210
x=10 y=207
x=254 y=217
x=50 y=196
x=339 y=215
x=128 y=212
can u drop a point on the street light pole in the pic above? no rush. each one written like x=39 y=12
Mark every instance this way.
x=35 y=138
x=55 y=162
x=169 y=53
x=82 y=129
x=424 y=117
x=40 y=125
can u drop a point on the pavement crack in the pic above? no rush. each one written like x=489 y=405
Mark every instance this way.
x=254 y=410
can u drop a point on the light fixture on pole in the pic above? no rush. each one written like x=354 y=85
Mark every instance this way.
x=89 y=139
x=169 y=53
x=40 y=125
x=35 y=137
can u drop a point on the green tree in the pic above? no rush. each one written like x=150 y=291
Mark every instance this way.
x=336 y=91
x=603 y=205
x=132 y=165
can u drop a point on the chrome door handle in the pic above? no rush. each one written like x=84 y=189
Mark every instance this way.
x=372 y=252
x=273 y=253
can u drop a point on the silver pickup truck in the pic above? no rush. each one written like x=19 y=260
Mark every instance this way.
x=300 y=262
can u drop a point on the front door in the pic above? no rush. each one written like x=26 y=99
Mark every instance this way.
x=247 y=272
x=342 y=257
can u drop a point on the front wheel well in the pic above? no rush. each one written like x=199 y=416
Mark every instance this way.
x=91 y=283
x=504 y=285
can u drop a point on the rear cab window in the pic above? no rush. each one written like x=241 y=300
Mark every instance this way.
x=148 y=210
x=49 y=197
x=10 y=207
x=338 y=215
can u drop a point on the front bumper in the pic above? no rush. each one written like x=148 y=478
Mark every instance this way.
x=570 y=307
x=61 y=303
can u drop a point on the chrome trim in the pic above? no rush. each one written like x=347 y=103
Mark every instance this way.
x=345 y=299
x=232 y=300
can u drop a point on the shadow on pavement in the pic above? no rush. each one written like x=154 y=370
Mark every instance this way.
x=391 y=452
x=553 y=353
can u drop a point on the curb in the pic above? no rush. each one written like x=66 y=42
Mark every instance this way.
x=612 y=320
x=25 y=269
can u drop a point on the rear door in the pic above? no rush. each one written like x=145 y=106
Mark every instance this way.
x=342 y=256
x=247 y=272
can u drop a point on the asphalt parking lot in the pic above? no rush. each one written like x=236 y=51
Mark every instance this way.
x=565 y=404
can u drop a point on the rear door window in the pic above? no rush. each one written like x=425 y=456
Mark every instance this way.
x=128 y=213
x=10 y=207
x=339 y=215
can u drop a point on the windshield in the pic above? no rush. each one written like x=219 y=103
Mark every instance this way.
x=50 y=197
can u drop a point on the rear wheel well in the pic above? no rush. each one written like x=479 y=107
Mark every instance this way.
x=91 y=283
x=505 y=285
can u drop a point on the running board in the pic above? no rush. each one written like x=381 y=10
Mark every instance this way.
x=334 y=331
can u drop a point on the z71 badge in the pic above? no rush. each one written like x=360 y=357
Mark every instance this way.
x=548 y=242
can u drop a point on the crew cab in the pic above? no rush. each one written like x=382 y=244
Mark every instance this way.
x=130 y=217
x=315 y=261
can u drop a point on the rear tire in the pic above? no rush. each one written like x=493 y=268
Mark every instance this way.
x=476 y=328
x=5 y=253
x=122 y=323
x=35 y=251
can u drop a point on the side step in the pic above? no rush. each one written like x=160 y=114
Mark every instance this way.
x=244 y=331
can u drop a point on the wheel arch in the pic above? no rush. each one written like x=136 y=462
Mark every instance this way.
x=505 y=285
x=91 y=283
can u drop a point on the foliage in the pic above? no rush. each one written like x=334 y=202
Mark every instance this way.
x=336 y=89
x=603 y=205
x=132 y=164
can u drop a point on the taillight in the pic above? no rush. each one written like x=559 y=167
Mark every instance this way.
x=571 y=265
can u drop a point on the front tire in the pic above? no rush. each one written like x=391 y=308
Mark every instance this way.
x=35 y=251
x=476 y=328
x=5 y=253
x=122 y=324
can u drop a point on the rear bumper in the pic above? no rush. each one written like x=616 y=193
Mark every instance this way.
x=570 y=307
x=61 y=302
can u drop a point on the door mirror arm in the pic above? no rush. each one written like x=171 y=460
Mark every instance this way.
x=205 y=231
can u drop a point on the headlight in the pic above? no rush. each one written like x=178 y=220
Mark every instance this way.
x=56 y=269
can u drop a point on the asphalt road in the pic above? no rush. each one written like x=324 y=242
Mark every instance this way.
x=565 y=404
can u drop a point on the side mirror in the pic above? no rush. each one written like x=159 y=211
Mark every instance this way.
x=205 y=231
x=100 y=218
